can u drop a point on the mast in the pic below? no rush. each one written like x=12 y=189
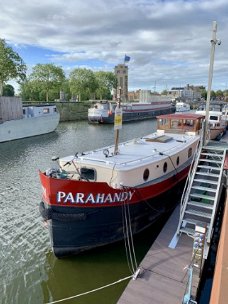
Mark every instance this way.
x=214 y=41
x=117 y=120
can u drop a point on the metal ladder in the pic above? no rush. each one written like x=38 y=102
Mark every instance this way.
x=199 y=203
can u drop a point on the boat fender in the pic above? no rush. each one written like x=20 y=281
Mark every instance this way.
x=48 y=214
x=45 y=212
x=68 y=216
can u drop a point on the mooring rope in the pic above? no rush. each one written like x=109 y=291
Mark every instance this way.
x=128 y=236
x=90 y=291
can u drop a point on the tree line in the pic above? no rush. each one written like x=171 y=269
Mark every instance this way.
x=46 y=81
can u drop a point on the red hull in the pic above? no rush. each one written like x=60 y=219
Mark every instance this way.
x=72 y=193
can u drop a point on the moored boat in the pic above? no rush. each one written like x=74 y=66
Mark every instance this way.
x=217 y=123
x=86 y=200
x=182 y=107
x=103 y=111
x=20 y=121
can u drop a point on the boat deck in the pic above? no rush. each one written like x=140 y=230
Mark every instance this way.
x=164 y=276
x=151 y=146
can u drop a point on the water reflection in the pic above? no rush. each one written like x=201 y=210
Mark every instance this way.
x=94 y=269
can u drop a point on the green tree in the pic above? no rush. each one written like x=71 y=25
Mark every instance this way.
x=11 y=65
x=8 y=90
x=66 y=89
x=204 y=94
x=28 y=91
x=47 y=79
x=83 y=83
x=213 y=95
x=106 y=82
x=219 y=94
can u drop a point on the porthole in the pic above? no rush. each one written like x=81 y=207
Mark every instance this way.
x=189 y=152
x=178 y=160
x=146 y=174
x=165 y=166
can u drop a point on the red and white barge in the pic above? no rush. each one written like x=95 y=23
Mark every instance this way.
x=90 y=199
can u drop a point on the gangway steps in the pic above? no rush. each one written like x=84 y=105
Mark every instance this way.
x=206 y=197
x=199 y=202
x=198 y=213
x=194 y=222
x=206 y=181
x=200 y=205
x=203 y=188
x=207 y=173
x=209 y=167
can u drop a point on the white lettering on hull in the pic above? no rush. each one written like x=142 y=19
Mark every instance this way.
x=99 y=198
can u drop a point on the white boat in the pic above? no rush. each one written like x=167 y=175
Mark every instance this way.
x=182 y=107
x=86 y=200
x=217 y=122
x=103 y=111
x=17 y=121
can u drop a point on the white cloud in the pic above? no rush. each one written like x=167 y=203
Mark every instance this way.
x=168 y=41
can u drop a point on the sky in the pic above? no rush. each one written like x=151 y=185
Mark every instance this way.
x=168 y=41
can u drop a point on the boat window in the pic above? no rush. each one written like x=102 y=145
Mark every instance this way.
x=189 y=152
x=165 y=166
x=46 y=110
x=146 y=174
x=87 y=173
x=188 y=122
x=163 y=122
x=213 y=118
x=174 y=124
x=101 y=106
x=178 y=160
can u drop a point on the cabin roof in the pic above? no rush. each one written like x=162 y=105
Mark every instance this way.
x=137 y=152
x=192 y=116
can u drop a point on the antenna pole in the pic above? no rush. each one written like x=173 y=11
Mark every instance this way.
x=212 y=55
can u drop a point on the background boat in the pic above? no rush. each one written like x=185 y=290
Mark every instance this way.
x=18 y=121
x=217 y=123
x=182 y=107
x=103 y=111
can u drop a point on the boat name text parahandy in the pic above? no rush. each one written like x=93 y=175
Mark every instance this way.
x=98 y=198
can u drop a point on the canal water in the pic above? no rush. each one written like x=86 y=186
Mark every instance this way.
x=29 y=272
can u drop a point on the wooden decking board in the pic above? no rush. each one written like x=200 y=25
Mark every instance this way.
x=163 y=276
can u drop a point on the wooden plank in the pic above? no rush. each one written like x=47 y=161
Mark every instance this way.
x=163 y=276
x=10 y=108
